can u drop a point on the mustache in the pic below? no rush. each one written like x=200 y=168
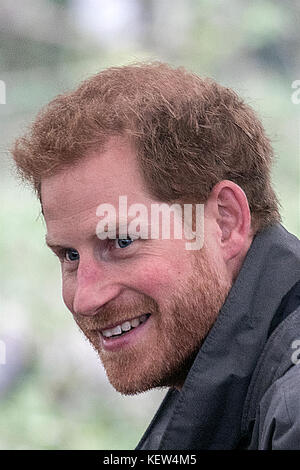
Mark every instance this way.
x=114 y=314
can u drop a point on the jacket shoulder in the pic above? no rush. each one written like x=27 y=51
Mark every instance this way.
x=279 y=413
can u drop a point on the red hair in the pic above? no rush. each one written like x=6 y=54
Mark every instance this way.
x=189 y=134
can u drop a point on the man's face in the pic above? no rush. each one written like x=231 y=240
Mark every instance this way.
x=145 y=305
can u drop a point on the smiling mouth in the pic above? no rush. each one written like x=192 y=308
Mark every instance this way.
x=125 y=327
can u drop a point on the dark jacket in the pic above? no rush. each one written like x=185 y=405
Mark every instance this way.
x=243 y=389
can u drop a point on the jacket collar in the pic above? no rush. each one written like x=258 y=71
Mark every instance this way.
x=206 y=413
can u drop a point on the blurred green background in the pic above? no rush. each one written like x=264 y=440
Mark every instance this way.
x=53 y=390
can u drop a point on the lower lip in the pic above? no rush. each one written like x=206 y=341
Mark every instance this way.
x=115 y=344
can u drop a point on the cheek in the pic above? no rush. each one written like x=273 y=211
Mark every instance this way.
x=155 y=279
x=68 y=291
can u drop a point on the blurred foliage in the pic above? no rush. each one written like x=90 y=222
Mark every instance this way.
x=56 y=394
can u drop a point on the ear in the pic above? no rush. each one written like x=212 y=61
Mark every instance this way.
x=228 y=208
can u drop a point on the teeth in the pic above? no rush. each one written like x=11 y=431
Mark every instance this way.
x=126 y=326
x=107 y=333
x=117 y=330
x=135 y=322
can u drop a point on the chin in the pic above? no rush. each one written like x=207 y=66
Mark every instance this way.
x=131 y=385
x=143 y=380
x=128 y=385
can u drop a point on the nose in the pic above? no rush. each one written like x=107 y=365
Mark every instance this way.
x=94 y=288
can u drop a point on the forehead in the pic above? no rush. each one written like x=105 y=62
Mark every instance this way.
x=71 y=197
x=100 y=177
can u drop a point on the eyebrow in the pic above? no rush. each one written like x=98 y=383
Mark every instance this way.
x=51 y=244
x=121 y=229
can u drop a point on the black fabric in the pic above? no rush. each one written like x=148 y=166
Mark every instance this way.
x=207 y=412
x=273 y=368
x=289 y=303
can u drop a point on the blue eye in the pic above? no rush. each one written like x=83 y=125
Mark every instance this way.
x=123 y=242
x=71 y=255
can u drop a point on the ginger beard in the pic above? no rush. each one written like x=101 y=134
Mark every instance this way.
x=163 y=355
